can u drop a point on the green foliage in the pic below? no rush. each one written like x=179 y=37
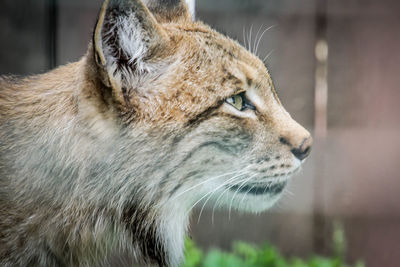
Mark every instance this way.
x=338 y=240
x=247 y=255
x=193 y=255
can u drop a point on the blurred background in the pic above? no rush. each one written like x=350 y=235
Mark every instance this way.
x=336 y=67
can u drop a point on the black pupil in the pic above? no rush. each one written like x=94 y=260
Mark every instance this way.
x=245 y=103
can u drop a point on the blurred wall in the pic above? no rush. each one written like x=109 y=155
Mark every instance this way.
x=23 y=34
x=353 y=173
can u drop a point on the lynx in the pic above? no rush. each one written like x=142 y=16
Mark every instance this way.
x=108 y=155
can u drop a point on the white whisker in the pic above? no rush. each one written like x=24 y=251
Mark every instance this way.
x=261 y=36
x=244 y=37
x=237 y=190
x=289 y=192
x=256 y=38
x=220 y=196
x=251 y=30
x=223 y=184
x=206 y=181
x=240 y=203
x=238 y=177
x=267 y=56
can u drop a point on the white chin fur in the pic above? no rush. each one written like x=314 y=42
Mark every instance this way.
x=244 y=202
x=253 y=203
x=250 y=203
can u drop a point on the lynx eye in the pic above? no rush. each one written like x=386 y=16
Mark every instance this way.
x=240 y=102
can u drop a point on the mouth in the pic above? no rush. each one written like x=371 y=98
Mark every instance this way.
x=258 y=189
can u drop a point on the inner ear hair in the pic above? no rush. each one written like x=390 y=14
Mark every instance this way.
x=126 y=39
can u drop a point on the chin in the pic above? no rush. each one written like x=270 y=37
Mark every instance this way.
x=257 y=204
x=253 y=197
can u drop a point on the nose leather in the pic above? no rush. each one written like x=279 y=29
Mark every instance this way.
x=303 y=150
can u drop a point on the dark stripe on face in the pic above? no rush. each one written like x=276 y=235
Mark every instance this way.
x=205 y=115
x=221 y=147
x=179 y=185
x=222 y=143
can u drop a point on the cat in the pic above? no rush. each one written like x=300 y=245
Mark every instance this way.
x=110 y=154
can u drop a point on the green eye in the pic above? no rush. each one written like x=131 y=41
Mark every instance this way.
x=240 y=102
x=236 y=101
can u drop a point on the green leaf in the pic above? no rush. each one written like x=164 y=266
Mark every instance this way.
x=249 y=255
x=193 y=255
x=216 y=258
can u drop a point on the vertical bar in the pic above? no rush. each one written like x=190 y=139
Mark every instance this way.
x=52 y=10
x=321 y=73
x=320 y=120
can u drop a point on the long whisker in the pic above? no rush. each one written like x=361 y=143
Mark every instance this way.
x=289 y=192
x=237 y=190
x=261 y=36
x=256 y=38
x=265 y=189
x=220 y=196
x=267 y=56
x=240 y=203
x=244 y=37
x=251 y=30
x=206 y=181
x=209 y=197
x=223 y=184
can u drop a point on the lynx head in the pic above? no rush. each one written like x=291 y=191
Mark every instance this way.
x=206 y=106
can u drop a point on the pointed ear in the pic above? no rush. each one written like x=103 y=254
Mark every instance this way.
x=127 y=39
x=169 y=10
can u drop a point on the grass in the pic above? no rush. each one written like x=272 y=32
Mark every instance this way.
x=249 y=255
